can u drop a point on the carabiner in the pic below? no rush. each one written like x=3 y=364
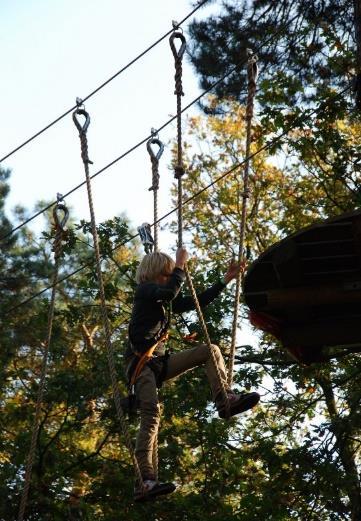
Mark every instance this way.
x=146 y=237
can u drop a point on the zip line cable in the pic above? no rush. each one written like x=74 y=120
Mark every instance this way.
x=59 y=118
x=149 y=136
x=298 y=119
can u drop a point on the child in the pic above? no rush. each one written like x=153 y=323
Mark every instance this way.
x=159 y=280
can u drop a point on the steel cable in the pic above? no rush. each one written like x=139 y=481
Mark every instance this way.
x=59 y=118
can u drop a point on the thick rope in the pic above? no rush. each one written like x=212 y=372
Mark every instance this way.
x=155 y=182
x=179 y=172
x=110 y=352
x=57 y=248
x=155 y=457
x=252 y=71
x=179 y=169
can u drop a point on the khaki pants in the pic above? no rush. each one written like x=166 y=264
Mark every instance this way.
x=147 y=397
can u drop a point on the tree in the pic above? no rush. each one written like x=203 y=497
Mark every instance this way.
x=304 y=48
x=307 y=434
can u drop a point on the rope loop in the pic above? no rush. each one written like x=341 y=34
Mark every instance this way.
x=155 y=141
x=178 y=55
x=60 y=223
x=82 y=128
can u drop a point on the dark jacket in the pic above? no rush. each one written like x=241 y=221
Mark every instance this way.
x=150 y=313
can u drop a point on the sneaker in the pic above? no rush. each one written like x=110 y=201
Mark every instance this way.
x=237 y=403
x=152 y=489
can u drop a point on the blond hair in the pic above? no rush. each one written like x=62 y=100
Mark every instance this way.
x=153 y=265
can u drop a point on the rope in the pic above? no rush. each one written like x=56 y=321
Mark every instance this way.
x=140 y=143
x=179 y=172
x=155 y=180
x=57 y=248
x=298 y=119
x=59 y=118
x=252 y=71
x=110 y=353
x=155 y=457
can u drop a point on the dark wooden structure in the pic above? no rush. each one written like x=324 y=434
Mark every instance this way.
x=306 y=289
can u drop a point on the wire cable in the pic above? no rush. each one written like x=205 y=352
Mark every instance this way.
x=306 y=114
x=149 y=136
x=59 y=118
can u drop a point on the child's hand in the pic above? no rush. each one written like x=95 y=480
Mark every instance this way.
x=181 y=258
x=233 y=269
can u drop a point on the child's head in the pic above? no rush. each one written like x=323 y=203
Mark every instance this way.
x=153 y=266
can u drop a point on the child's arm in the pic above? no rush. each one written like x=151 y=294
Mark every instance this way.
x=182 y=304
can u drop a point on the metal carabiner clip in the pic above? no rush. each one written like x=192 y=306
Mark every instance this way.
x=146 y=237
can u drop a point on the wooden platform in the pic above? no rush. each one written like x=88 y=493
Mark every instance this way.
x=310 y=283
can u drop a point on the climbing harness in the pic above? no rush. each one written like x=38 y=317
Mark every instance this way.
x=82 y=129
x=178 y=173
x=154 y=140
x=252 y=71
x=59 y=223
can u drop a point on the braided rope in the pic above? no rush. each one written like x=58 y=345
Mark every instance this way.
x=155 y=164
x=105 y=319
x=155 y=182
x=155 y=456
x=57 y=248
x=252 y=71
x=179 y=171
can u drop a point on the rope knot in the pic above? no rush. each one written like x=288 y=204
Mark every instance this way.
x=178 y=171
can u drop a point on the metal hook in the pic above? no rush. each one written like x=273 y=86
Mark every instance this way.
x=155 y=141
x=60 y=223
x=81 y=128
x=180 y=52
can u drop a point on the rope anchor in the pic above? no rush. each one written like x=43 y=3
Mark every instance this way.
x=60 y=223
x=155 y=141
x=178 y=55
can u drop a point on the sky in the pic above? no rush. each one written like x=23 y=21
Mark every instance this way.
x=52 y=51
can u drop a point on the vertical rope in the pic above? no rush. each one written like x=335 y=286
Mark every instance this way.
x=110 y=352
x=179 y=169
x=178 y=173
x=57 y=248
x=155 y=457
x=155 y=187
x=155 y=181
x=252 y=72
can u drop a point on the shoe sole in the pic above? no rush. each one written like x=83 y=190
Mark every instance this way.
x=247 y=403
x=155 y=492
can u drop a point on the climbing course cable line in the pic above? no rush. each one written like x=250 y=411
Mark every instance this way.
x=123 y=69
x=242 y=62
x=298 y=119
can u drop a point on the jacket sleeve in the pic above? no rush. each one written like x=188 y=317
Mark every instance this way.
x=182 y=304
x=162 y=293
